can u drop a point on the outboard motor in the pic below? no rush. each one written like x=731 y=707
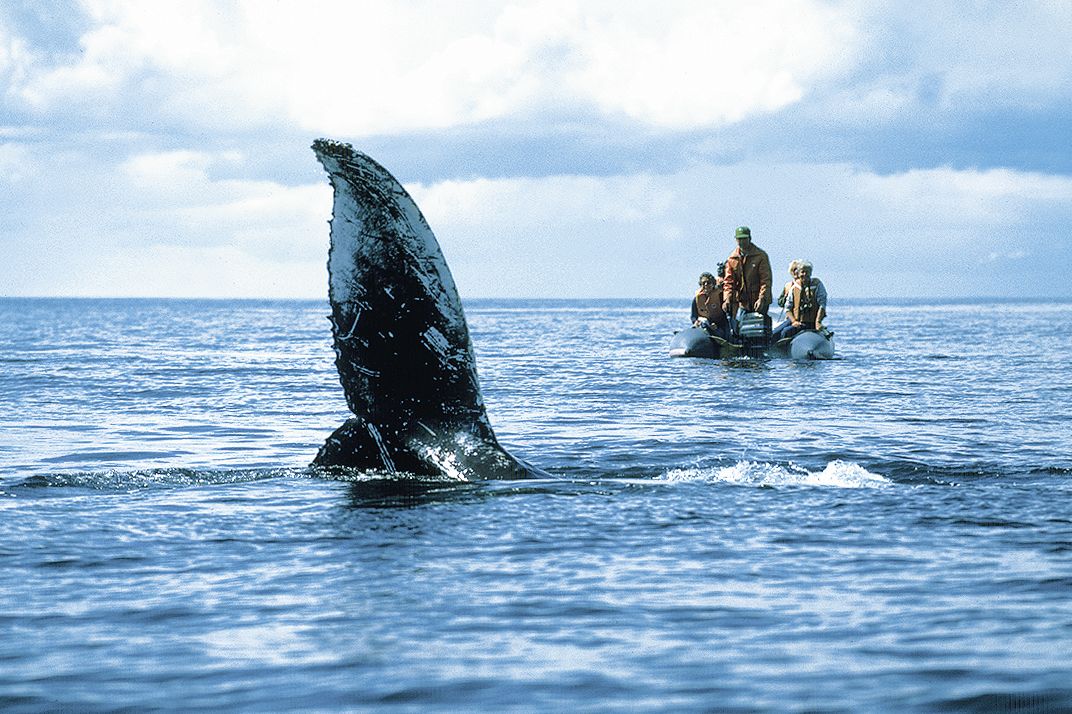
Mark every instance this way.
x=754 y=329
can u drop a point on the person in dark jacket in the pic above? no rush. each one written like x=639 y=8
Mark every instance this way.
x=748 y=277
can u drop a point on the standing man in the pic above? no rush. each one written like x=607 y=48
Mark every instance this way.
x=748 y=277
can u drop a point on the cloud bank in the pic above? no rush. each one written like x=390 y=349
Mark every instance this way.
x=558 y=148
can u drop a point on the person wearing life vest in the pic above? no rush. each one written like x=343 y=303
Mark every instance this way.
x=707 y=305
x=787 y=289
x=748 y=277
x=794 y=266
x=805 y=305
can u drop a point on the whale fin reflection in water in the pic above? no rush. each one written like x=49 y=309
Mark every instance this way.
x=401 y=341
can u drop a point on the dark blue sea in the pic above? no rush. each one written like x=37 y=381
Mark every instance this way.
x=888 y=531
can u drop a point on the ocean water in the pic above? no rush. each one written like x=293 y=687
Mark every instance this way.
x=888 y=531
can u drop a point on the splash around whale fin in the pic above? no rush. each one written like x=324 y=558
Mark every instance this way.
x=401 y=341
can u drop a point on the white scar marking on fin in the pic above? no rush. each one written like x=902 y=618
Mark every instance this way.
x=353 y=326
x=423 y=426
x=375 y=434
x=436 y=342
x=364 y=370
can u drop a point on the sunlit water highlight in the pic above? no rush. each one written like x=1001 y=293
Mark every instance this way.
x=886 y=531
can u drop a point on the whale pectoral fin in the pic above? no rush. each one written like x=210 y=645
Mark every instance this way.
x=401 y=340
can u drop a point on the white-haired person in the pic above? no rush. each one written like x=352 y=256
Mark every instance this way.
x=805 y=304
x=794 y=265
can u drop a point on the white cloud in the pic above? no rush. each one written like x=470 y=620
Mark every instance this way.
x=1011 y=49
x=1002 y=257
x=147 y=270
x=159 y=224
x=15 y=58
x=955 y=56
x=108 y=217
x=540 y=202
x=995 y=197
x=277 y=223
x=15 y=163
x=176 y=194
x=360 y=67
x=606 y=237
x=367 y=67
x=202 y=271
x=708 y=64
x=688 y=67
x=166 y=224
x=161 y=171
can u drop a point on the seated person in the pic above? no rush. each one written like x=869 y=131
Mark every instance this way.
x=787 y=289
x=707 y=306
x=794 y=266
x=805 y=305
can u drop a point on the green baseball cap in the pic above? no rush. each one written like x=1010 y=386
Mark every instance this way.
x=743 y=232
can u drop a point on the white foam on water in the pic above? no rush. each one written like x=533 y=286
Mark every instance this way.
x=837 y=474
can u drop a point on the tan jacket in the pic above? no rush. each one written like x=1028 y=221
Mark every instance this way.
x=805 y=307
x=748 y=279
x=708 y=305
x=786 y=290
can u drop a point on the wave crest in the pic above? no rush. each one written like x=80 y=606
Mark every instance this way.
x=837 y=474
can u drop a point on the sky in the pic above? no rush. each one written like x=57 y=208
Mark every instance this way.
x=557 y=148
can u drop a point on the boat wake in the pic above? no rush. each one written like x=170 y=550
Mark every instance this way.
x=837 y=474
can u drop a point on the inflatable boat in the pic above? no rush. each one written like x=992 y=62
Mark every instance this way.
x=754 y=340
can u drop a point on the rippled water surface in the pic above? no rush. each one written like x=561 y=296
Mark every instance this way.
x=891 y=530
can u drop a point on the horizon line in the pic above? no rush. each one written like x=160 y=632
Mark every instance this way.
x=516 y=298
